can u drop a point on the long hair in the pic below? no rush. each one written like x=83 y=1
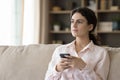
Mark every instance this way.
x=91 y=18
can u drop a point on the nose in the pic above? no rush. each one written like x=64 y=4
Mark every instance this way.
x=74 y=24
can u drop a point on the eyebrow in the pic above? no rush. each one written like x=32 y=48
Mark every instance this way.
x=79 y=19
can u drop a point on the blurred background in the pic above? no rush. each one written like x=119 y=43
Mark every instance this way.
x=24 y=22
x=19 y=22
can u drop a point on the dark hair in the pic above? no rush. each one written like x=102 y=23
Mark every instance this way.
x=91 y=18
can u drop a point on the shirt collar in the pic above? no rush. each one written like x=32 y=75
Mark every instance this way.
x=89 y=46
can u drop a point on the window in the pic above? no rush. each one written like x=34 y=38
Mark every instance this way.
x=10 y=20
x=17 y=21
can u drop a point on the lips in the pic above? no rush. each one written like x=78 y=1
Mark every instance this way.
x=74 y=30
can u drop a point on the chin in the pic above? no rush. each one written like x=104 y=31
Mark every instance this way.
x=74 y=35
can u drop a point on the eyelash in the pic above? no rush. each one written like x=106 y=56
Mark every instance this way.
x=78 y=22
x=71 y=21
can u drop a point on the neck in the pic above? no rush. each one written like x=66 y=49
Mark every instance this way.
x=81 y=43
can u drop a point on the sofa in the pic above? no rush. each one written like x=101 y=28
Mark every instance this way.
x=30 y=62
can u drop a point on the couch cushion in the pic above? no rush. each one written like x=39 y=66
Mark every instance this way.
x=25 y=62
x=114 y=73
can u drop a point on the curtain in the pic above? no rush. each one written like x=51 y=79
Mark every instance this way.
x=23 y=22
x=10 y=22
x=31 y=22
x=41 y=29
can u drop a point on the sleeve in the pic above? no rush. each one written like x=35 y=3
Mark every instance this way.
x=51 y=73
x=102 y=68
x=100 y=72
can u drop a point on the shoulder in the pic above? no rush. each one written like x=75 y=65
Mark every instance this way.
x=60 y=49
x=101 y=53
x=101 y=50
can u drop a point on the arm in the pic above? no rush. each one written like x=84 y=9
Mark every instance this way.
x=102 y=67
x=100 y=71
x=51 y=73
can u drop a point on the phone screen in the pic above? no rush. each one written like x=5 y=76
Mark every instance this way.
x=63 y=55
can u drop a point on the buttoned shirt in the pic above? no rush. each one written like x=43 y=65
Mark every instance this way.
x=96 y=58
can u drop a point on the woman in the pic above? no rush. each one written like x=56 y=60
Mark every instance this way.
x=87 y=60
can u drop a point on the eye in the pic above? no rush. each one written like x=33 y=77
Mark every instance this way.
x=72 y=21
x=79 y=21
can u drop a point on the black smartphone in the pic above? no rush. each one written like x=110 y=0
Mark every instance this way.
x=63 y=55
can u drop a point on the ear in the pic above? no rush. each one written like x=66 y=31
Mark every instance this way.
x=90 y=27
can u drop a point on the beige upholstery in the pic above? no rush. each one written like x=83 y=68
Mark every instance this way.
x=31 y=62
x=25 y=62
x=114 y=73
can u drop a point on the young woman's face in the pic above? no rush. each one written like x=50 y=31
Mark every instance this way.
x=79 y=25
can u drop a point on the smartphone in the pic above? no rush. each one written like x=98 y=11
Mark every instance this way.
x=63 y=55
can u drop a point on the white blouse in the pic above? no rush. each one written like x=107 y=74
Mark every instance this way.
x=96 y=58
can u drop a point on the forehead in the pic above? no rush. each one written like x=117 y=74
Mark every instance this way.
x=78 y=16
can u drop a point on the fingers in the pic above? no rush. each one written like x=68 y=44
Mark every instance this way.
x=71 y=57
x=72 y=62
x=63 y=60
x=64 y=63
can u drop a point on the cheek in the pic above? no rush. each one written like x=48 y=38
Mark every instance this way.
x=83 y=29
x=71 y=25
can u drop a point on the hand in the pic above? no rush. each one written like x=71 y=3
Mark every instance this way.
x=65 y=63
x=76 y=62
